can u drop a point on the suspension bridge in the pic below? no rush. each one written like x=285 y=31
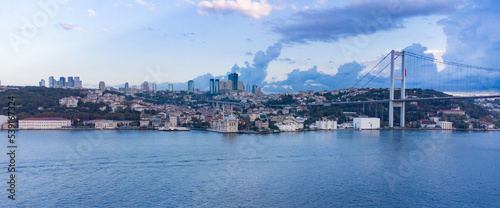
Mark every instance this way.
x=408 y=69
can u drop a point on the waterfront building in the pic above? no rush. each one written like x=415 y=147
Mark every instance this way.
x=325 y=124
x=173 y=121
x=287 y=126
x=228 y=125
x=445 y=124
x=366 y=123
x=106 y=124
x=44 y=123
x=262 y=124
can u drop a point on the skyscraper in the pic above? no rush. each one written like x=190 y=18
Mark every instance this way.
x=126 y=86
x=145 y=86
x=234 y=79
x=52 y=81
x=190 y=85
x=212 y=86
x=155 y=87
x=170 y=87
x=241 y=87
x=254 y=89
x=41 y=83
x=71 y=82
x=102 y=86
x=248 y=88
x=216 y=86
x=78 y=82
x=62 y=82
x=229 y=85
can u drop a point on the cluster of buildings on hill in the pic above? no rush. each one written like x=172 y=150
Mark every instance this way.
x=71 y=82
x=218 y=86
x=253 y=115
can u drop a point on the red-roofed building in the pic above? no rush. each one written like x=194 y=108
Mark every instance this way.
x=44 y=123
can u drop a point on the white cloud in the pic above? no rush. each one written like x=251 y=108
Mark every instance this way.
x=71 y=27
x=247 y=8
x=91 y=13
x=190 y=2
x=437 y=55
x=144 y=3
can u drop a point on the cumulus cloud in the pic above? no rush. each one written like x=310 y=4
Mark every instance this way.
x=358 y=17
x=257 y=72
x=249 y=8
x=190 y=2
x=71 y=27
x=91 y=13
x=313 y=79
x=472 y=34
x=145 y=3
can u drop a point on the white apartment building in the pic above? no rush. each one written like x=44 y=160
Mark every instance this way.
x=366 y=123
x=44 y=123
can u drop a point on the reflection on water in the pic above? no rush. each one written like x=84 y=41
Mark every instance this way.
x=294 y=169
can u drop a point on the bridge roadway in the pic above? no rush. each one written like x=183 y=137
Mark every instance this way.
x=416 y=99
x=395 y=100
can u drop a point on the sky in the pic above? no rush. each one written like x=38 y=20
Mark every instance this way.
x=280 y=45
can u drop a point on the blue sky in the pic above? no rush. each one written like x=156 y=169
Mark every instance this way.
x=273 y=43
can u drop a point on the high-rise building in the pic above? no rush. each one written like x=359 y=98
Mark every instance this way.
x=241 y=87
x=248 y=88
x=155 y=87
x=52 y=81
x=78 y=82
x=170 y=87
x=41 y=83
x=71 y=82
x=191 y=85
x=62 y=82
x=254 y=88
x=126 y=86
x=228 y=85
x=234 y=79
x=212 y=86
x=102 y=86
x=145 y=86
x=216 y=85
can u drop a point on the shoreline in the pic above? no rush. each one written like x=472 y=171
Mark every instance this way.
x=249 y=132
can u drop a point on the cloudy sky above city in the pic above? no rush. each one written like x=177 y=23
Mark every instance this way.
x=282 y=45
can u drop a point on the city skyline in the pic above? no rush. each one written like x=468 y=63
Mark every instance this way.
x=270 y=42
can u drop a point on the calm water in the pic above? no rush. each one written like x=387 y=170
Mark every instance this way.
x=205 y=169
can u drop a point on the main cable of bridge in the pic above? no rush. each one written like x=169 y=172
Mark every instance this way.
x=371 y=70
x=449 y=62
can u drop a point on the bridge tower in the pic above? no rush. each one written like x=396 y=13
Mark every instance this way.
x=394 y=104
